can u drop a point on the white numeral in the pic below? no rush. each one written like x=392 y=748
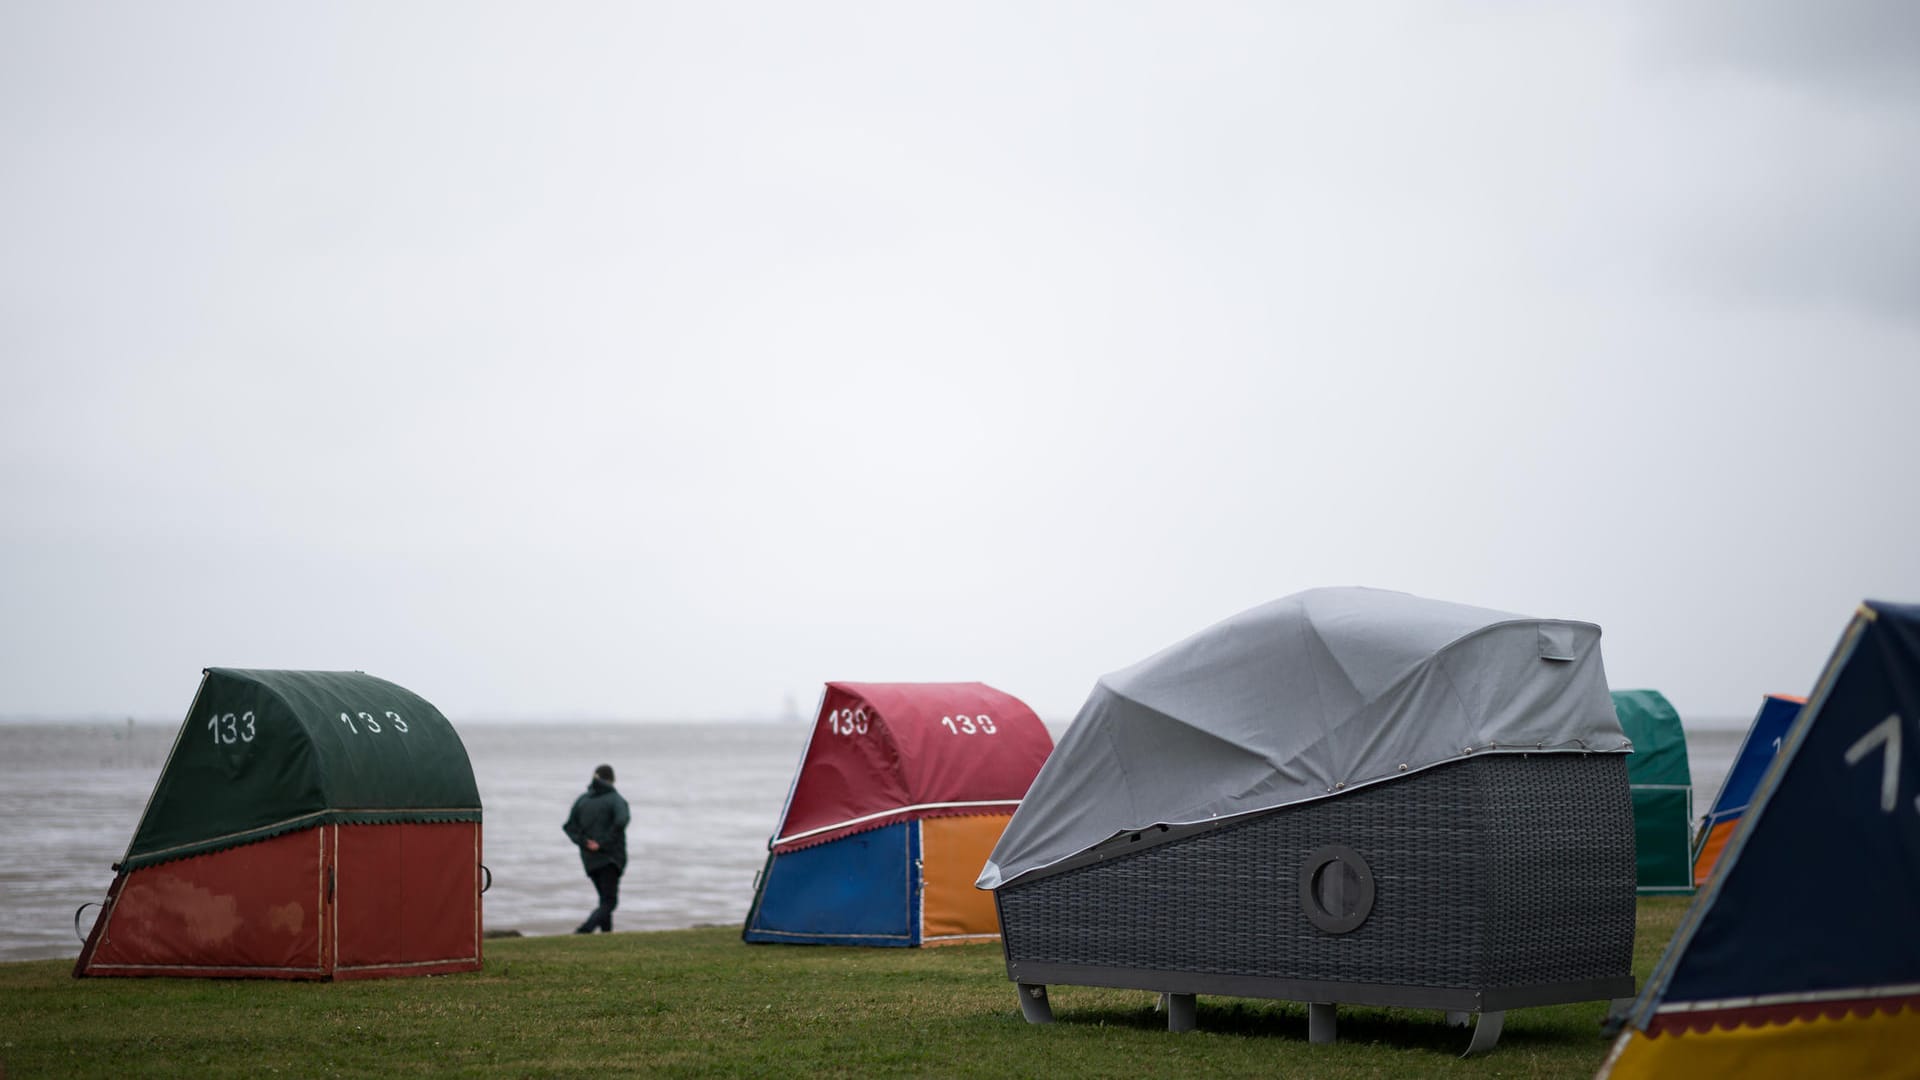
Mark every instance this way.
x=372 y=724
x=847 y=721
x=1885 y=734
x=970 y=725
x=226 y=728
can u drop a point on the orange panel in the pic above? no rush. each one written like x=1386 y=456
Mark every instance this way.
x=407 y=897
x=952 y=851
x=250 y=910
x=1710 y=851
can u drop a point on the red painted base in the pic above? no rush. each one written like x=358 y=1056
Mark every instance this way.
x=331 y=902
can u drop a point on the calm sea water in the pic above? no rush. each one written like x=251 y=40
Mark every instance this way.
x=704 y=797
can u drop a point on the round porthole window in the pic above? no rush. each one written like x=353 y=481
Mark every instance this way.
x=1336 y=888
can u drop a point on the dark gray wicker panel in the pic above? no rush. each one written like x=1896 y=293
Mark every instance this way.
x=1562 y=901
x=1504 y=870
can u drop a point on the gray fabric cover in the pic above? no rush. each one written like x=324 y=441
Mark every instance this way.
x=1301 y=698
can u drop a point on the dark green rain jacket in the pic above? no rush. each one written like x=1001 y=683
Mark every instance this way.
x=599 y=814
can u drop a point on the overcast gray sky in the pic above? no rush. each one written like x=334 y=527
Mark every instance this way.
x=665 y=361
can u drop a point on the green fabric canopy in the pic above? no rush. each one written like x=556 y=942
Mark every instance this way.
x=1659 y=742
x=1662 y=787
x=267 y=752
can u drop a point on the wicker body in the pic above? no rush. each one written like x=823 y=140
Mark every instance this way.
x=1496 y=882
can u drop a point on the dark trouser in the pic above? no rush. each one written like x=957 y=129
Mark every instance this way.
x=606 y=880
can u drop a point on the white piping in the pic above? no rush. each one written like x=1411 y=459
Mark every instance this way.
x=1866 y=993
x=876 y=937
x=333 y=896
x=917 y=868
x=791 y=837
x=408 y=964
x=195 y=967
x=320 y=910
x=233 y=835
x=478 y=934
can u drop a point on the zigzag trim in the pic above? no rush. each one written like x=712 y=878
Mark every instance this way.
x=1703 y=1021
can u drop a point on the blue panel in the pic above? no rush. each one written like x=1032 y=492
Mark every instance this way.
x=1756 y=753
x=1824 y=885
x=857 y=890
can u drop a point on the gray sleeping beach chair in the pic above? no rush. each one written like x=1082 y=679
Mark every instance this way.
x=1347 y=796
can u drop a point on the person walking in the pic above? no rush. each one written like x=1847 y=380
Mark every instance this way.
x=598 y=827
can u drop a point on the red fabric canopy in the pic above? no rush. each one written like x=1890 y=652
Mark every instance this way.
x=886 y=752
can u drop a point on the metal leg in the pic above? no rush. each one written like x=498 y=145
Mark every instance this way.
x=1033 y=1003
x=1182 y=1012
x=1320 y=1022
x=1485 y=1033
x=1459 y=1019
x=1618 y=1010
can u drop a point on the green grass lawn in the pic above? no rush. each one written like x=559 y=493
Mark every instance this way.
x=698 y=1002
